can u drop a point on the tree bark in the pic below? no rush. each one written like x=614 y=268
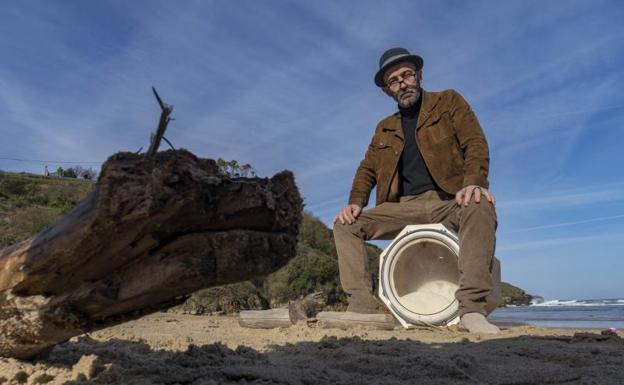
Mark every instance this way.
x=153 y=230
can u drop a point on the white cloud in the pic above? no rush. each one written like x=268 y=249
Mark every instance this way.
x=568 y=223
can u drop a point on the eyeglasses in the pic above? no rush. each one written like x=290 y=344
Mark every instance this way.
x=408 y=77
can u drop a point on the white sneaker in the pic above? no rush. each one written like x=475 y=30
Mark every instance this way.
x=476 y=323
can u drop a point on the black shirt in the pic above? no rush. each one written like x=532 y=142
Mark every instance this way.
x=415 y=177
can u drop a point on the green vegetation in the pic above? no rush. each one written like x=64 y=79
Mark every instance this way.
x=29 y=203
x=75 y=172
x=232 y=168
x=513 y=295
x=224 y=299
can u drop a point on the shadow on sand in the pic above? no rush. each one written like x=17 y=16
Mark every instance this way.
x=521 y=360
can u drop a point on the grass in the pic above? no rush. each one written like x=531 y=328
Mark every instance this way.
x=29 y=203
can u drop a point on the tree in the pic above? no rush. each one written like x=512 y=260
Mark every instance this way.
x=69 y=173
x=78 y=170
x=233 y=169
x=89 y=173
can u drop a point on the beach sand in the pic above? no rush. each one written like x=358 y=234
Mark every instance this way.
x=166 y=348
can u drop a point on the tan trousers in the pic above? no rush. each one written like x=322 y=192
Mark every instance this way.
x=475 y=225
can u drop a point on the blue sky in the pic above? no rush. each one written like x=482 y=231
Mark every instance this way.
x=289 y=85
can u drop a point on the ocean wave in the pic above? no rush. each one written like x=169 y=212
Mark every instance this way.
x=582 y=302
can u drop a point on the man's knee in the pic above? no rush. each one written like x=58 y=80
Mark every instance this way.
x=483 y=210
x=479 y=214
x=346 y=229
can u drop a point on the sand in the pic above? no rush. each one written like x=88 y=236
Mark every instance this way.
x=166 y=348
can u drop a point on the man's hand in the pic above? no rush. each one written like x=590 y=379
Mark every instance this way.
x=464 y=195
x=348 y=214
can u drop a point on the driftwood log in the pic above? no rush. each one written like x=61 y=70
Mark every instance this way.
x=346 y=320
x=265 y=319
x=153 y=230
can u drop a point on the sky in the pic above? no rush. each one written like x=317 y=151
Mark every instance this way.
x=286 y=84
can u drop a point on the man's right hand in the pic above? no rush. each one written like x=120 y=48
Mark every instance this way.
x=348 y=214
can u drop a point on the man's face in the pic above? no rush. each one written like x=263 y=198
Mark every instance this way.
x=403 y=83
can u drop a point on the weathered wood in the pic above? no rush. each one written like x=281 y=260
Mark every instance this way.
x=164 y=120
x=346 y=320
x=264 y=319
x=153 y=230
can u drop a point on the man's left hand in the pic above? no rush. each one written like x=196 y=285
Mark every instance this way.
x=464 y=195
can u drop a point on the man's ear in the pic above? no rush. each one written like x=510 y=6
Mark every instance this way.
x=387 y=91
x=419 y=76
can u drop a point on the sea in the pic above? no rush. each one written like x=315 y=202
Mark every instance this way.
x=573 y=313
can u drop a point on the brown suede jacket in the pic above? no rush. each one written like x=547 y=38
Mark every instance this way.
x=450 y=140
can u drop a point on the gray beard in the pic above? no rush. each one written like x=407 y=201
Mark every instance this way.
x=408 y=97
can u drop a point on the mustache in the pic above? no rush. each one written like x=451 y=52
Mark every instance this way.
x=409 y=90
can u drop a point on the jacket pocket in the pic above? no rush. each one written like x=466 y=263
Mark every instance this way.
x=384 y=148
x=441 y=128
x=382 y=143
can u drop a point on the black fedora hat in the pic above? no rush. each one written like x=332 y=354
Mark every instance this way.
x=393 y=56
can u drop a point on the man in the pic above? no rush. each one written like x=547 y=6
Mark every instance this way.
x=430 y=164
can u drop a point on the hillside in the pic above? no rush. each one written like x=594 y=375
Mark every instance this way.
x=29 y=203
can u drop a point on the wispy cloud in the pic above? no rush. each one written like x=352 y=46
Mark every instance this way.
x=590 y=195
x=570 y=223
x=540 y=244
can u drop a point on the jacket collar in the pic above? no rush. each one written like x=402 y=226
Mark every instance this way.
x=393 y=122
